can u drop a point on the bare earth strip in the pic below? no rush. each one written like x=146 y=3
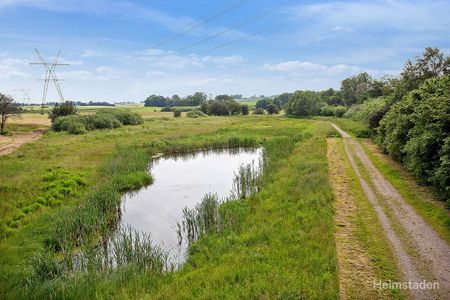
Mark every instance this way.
x=9 y=144
x=422 y=254
x=356 y=271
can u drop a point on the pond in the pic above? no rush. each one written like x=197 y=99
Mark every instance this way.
x=181 y=181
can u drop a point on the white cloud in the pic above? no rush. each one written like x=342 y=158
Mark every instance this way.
x=91 y=53
x=306 y=68
x=399 y=14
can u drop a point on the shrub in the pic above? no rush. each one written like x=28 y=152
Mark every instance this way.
x=126 y=117
x=244 y=109
x=272 y=109
x=369 y=112
x=195 y=114
x=339 y=110
x=166 y=109
x=177 y=113
x=76 y=128
x=258 y=111
x=101 y=121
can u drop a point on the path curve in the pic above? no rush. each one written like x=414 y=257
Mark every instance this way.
x=10 y=144
x=421 y=252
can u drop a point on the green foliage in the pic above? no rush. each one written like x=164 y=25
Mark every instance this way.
x=195 y=114
x=244 y=109
x=303 y=103
x=60 y=110
x=177 y=113
x=258 y=111
x=8 y=109
x=160 y=101
x=416 y=130
x=369 y=112
x=330 y=110
x=103 y=119
x=272 y=109
x=222 y=107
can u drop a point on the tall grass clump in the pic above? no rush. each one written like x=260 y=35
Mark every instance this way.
x=203 y=219
x=247 y=180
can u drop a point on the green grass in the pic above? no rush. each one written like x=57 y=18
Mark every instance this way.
x=279 y=244
x=355 y=129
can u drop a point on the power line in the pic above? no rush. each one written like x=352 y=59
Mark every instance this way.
x=228 y=44
x=195 y=24
x=253 y=19
x=222 y=32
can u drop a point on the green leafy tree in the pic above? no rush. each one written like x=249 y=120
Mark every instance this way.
x=303 y=103
x=244 y=109
x=272 y=109
x=64 y=109
x=356 y=89
x=8 y=109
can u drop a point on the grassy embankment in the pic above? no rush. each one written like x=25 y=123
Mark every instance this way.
x=281 y=243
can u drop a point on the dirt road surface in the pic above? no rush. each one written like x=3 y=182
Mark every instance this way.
x=10 y=144
x=422 y=255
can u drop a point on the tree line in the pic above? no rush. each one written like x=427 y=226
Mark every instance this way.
x=407 y=115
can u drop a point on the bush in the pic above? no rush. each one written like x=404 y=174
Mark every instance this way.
x=101 y=121
x=339 y=111
x=125 y=117
x=177 y=113
x=272 y=109
x=244 y=109
x=416 y=132
x=258 y=111
x=195 y=114
x=166 y=109
x=104 y=119
x=76 y=128
x=369 y=112
x=61 y=110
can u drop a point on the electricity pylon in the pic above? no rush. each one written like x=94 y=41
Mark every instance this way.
x=50 y=75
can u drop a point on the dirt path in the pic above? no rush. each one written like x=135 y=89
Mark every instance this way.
x=9 y=144
x=421 y=253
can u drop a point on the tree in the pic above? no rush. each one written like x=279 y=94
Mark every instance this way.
x=303 y=103
x=195 y=100
x=218 y=108
x=156 y=100
x=60 y=110
x=224 y=98
x=431 y=64
x=272 y=109
x=8 y=109
x=356 y=89
x=262 y=103
x=244 y=109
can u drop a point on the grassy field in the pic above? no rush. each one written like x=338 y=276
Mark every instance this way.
x=280 y=245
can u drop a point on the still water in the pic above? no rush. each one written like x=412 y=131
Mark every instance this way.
x=182 y=181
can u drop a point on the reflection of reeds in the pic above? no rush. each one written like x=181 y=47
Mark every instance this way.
x=247 y=180
x=205 y=217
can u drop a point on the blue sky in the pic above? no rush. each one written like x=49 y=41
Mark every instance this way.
x=116 y=49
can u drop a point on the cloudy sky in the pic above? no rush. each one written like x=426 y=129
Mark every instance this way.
x=126 y=50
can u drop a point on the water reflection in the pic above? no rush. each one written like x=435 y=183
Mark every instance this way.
x=181 y=181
